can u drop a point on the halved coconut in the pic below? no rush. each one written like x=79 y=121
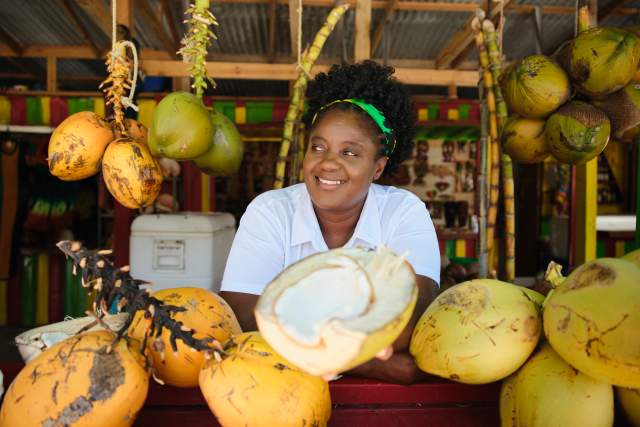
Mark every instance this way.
x=335 y=310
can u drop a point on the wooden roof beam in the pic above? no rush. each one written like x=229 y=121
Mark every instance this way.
x=610 y=8
x=363 y=30
x=458 y=45
x=99 y=14
x=379 y=31
x=151 y=17
x=73 y=16
x=12 y=43
x=262 y=71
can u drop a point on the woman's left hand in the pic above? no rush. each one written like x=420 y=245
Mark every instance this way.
x=400 y=368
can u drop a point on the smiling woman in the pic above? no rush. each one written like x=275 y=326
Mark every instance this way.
x=361 y=125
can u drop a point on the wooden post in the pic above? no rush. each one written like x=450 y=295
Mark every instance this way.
x=124 y=13
x=363 y=30
x=586 y=184
x=638 y=195
x=52 y=73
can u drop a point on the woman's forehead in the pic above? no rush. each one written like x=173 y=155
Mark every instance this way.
x=343 y=121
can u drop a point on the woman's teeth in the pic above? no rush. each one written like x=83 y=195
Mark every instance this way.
x=329 y=182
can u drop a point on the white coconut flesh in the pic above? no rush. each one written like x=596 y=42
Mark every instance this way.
x=320 y=312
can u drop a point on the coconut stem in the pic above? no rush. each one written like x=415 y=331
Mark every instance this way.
x=299 y=88
x=507 y=166
x=196 y=42
x=115 y=285
x=553 y=275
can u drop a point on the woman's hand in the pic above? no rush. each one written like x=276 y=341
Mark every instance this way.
x=400 y=368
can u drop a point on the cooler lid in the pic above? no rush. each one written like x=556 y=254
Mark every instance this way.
x=183 y=222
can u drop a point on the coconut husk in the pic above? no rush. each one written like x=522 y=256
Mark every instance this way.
x=622 y=108
x=577 y=132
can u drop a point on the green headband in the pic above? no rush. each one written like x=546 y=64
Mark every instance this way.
x=376 y=115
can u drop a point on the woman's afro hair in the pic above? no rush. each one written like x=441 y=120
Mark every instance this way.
x=374 y=84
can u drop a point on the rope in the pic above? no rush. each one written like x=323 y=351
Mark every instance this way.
x=127 y=101
x=299 y=32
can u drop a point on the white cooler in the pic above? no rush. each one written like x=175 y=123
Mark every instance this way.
x=181 y=249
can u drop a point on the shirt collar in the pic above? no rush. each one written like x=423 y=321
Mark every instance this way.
x=305 y=227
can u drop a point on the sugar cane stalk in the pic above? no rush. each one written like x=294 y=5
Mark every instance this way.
x=507 y=166
x=482 y=184
x=493 y=158
x=195 y=44
x=299 y=88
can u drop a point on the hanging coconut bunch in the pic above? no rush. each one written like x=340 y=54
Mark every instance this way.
x=205 y=313
x=254 y=386
x=182 y=127
x=534 y=87
x=548 y=392
x=592 y=319
x=601 y=60
x=478 y=331
x=524 y=140
x=299 y=315
x=577 y=132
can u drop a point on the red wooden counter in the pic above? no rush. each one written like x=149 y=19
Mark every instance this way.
x=356 y=403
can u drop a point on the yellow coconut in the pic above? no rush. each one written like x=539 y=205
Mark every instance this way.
x=592 y=320
x=630 y=402
x=477 y=332
x=335 y=310
x=523 y=140
x=254 y=387
x=132 y=175
x=78 y=383
x=633 y=256
x=77 y=145
x=547 y=392
x=206 y=313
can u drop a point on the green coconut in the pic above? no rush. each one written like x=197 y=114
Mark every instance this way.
x=592 y=319
x=535 y=86
x=602 y=60
x=181 y=128
x=226 y=152
x=622 y=107
x=577 y=132
x=523 y=140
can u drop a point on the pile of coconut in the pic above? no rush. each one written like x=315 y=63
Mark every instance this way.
x=571 y=104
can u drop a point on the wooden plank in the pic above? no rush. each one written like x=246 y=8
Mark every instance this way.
x=379 y=31
x=258 y=71
x=99 y=13
x=363 y=30
x=294 y=26
x=124 y=13
x=158 y=29
x=461 y=40
x=73 y=16
x=52 y=73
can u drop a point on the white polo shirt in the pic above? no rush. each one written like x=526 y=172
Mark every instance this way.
x=280 y=227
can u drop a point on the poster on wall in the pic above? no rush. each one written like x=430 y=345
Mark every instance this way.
x=442 y=173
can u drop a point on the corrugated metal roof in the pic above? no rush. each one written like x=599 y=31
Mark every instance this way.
x=244 y=30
